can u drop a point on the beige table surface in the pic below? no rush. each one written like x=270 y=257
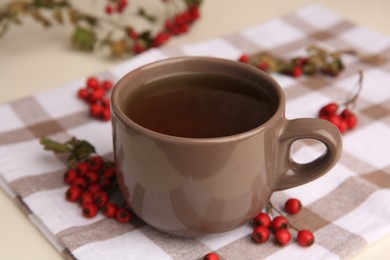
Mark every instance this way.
x=32 y=59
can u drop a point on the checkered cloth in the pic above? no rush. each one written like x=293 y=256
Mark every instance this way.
x=348 y=208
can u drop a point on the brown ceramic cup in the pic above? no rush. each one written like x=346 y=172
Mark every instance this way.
x=198 y=186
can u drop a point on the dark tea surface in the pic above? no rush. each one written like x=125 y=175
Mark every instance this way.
x=200 y=106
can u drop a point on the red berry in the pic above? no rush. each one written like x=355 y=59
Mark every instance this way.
x=94 y=188
x=262 y=219
x=305 y=238
x=123 y=215
x=92 y=177
x=109 y=174
x=160 y=39
x=90 y=210
x=110 y=210
x=93 y=83
x=244 y=58
x=260 y=234
x=293 y=206
x=339 y=122
x=264 y=66
x=329 y=109
x=106 y=114
x=133 y=34
x=80 y=182
x=297 y=72
x=138 y=48
x=96 y=110
x=349 y=117
x=101 y=198
x=96 y=163
x=278 y=223
x=73 y=193
x=109 y=9
x=282 y=237
x=194 y=11
x=107 y=85
x=83 y=93
x=86 y=198
x=96 y=95
x=82 y=168
x=69 y=176
x=105 y=102
x=211 y=256
x=343 y=126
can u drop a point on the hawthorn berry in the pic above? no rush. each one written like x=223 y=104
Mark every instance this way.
x=106 y=114
x=109 y=174
x=297 y=72
x=96 y=110
x=123 y=215
x=80 y=182
x=83 y=93
x=94 y=188
x=92 y=177
x=262 y=219
x=107 y=85
x=109 y=9
x=244 y=58
x=329 y=109
x=100 y=199
x=82 y=168
x=90 y=210
x=96 y=95
x=110 y=209
x=211 y=256
x=93 y=82
x=260 y=234
x=279 y=223
x=69 y=176
x=292 y=206
x=96 y=163
x=264 y=66
x=282 y=237
x=73 y=193
x=305 y=238
x=86 y=198
x=349 y=117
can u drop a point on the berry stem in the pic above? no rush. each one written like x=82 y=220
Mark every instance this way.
x=271 y=208
x=351 y=101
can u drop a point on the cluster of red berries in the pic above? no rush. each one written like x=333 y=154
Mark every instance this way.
x=181 y=22
x=91 y=181
x=346 y=120
x=116 y=6
x=319 y=61
x=94 y=94
x=279 y=225
x=177 y=25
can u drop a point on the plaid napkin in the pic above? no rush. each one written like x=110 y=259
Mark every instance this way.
x=348 y=208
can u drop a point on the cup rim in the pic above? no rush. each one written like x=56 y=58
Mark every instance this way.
x=121 y=84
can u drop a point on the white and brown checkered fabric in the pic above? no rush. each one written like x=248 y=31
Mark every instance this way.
x=348 y=208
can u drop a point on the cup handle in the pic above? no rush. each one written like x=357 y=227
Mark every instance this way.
x=294 y=174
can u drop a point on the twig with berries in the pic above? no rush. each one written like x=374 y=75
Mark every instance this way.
x=265 y=222
x=342 y=115
x=113 y=30
x=95 y=94
x=272 y=220
x=91 y=179
x=317 y=61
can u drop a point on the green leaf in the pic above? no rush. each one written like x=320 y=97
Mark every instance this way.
x=82 y=150
x=55 y=147
x=84 y=39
